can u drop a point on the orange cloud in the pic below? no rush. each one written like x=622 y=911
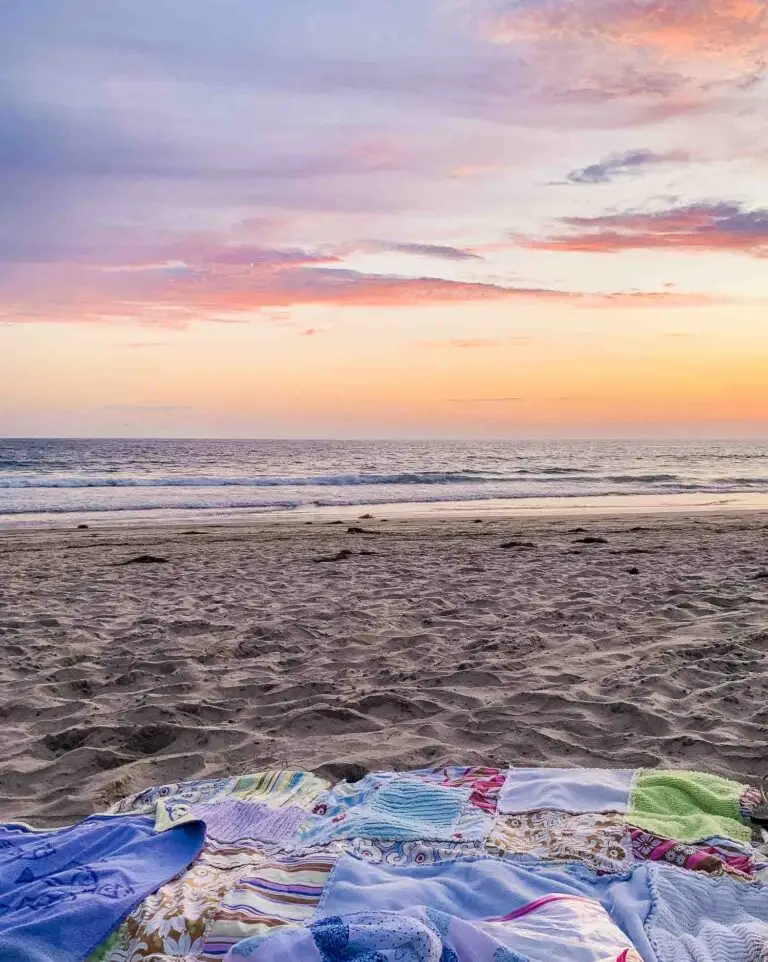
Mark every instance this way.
x=727 y=28
x=695 y=228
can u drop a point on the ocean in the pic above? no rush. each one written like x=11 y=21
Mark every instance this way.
x=62 y=482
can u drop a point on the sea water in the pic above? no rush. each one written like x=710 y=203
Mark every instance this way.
x=57 y=481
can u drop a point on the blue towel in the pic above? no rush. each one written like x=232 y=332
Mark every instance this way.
x=565 y=927
x=481 y=888
x=63 y=892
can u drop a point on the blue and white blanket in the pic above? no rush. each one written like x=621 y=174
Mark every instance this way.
x=446 y=865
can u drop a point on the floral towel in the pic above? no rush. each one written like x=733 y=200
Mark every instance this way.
x=711 y=859
x=410 y=853
x=174 y=921
x=601 y=841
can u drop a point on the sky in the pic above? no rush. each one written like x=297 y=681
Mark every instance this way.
x=386 y=218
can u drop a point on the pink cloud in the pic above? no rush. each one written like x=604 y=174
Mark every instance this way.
x=694 y=228
x=721 y=28
x=626 y=63
x=200 y=281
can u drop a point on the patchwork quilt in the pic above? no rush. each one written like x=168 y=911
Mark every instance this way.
x=448 y=865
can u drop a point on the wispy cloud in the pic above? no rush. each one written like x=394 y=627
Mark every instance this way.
x=471 y=343
x=482 y=400
x=440 y=251
x=147 y=408
x=617 y=165
x=720 y=28
x=230 y=283
x=692 y=228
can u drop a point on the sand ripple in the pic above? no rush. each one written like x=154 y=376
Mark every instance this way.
x=440 y=645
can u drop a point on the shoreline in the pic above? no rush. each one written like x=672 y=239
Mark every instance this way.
x=496 y=508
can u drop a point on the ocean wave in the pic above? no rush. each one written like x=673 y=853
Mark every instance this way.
x=553 y=470
x=180 y=481
x=261 y=505
x=265 y=481
x=545 y=477
x=642 y=478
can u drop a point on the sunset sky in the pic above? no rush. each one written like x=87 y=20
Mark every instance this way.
x=384 y=218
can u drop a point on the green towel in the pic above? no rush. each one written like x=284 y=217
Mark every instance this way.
x=687 y=806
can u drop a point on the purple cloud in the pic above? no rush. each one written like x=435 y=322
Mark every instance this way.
x=712 y=227
x=434 y=250
x=629 y=162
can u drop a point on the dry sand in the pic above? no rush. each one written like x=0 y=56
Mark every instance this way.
x=429 y=643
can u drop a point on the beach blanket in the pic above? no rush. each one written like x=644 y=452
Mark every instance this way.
x=477 y=888
x=687 y=806
x=232 y=820
x=566 y=789
x=719 y=857
x=63 y=892
x=557 y=927
x=706 y=920
x=276 y=788
x=600 y=840
x=175 y=919
x=281 y=892
x=453 y=864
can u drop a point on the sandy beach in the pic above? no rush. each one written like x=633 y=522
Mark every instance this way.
x=618 y=641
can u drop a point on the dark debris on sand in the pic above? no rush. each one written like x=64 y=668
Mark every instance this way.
x=339 y=556
x=342 y=555
x=144 y=559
